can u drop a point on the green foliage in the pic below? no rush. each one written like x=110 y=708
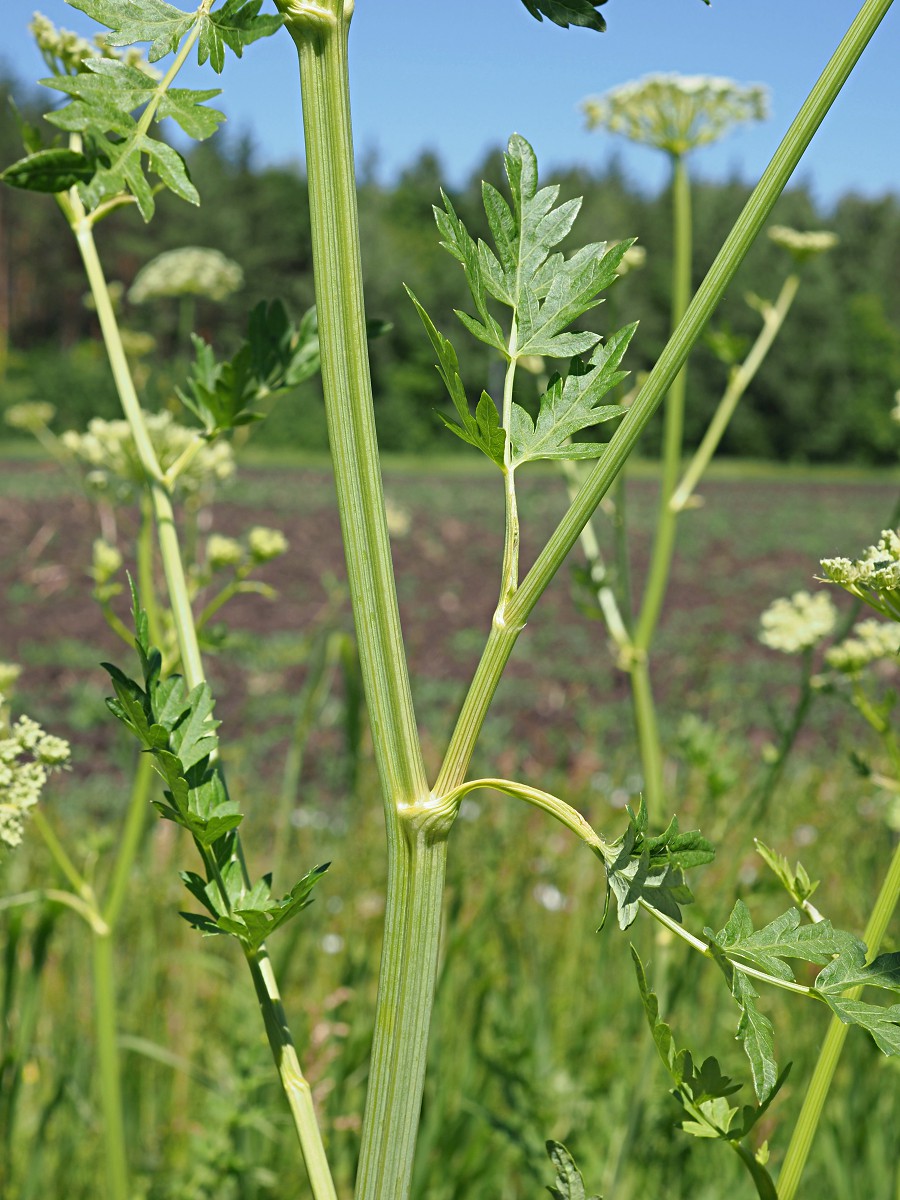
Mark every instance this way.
x=795 y=880
x=177 y=728
x=651 y=869
x=703 y=1091
x=234 y=24
x=569 y=1184
x=546 y=293
x=52 y=170
x=569 y=12
x=277 y=354
x=116 y=143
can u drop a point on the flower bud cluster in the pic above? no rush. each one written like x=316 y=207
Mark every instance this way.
x=869 y=642
x=188 y=271
x=27 y=756
x=67 y=52
x=796 y=624
x=107 y=454
x=261 y=545
x=677 y=113
x=874 y=577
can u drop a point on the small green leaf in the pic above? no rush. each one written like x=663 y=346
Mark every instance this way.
x=756 y=1034
x=49 y=171
x=571 y=405
x=235 y=24
x=882 y=1023
x=569 y=1183
x=569 y=12
x=785 y=937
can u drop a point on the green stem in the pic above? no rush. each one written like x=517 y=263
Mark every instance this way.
x=737 y=385
x=673 y=431
x=294 y=1083
x=146 y=585
x=415 y=862
x=109 y=1067
x=509 y=577
x=647 y=727
x=130 y=840
x=820 y=1083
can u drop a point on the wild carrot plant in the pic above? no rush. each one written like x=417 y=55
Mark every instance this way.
x=527 y=300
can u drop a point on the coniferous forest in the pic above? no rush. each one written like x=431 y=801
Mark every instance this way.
x=824 y=393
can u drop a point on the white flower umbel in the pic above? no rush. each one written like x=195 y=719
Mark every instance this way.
x=874 y=577
x=677 y=113
x=107 y=455
x=189 y=271
x=27 y=756
x=869 y=642
x=795 y=624
x=803 y=245
x=29 y=415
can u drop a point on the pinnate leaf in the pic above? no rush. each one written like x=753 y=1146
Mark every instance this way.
x=785 y=937
x=275 y=355
x=651 y=869
x=235 y=24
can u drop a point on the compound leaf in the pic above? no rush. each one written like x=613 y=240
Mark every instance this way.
x=129 y=21
x=785 y=937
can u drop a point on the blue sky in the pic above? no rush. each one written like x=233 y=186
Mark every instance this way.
x=458 y=77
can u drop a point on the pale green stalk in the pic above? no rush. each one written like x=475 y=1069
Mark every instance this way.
x=747 y=227
x=820 y=1083
x=416 y=851
x=664 y=541
x=293 y=1083
x=738 y=383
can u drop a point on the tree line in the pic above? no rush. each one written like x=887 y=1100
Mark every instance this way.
x=825 y=392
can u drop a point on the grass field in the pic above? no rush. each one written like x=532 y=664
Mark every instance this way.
x=538 y=1032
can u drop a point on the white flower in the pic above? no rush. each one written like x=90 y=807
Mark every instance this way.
x=27 y=755
x=29 y=416
x=189 y=271
x=870 y=641
x=676 y=113
x=798 y=623
x=803 y=245
x=108 y=456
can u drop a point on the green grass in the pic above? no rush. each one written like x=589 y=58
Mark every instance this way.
x=538 y=1031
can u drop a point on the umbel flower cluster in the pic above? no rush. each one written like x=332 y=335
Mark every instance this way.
x=112 y=470
x=798 y=623
x=27 y=756
x=874 y=577
x=677 y=113
x=803 y=245
x=189 y=271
